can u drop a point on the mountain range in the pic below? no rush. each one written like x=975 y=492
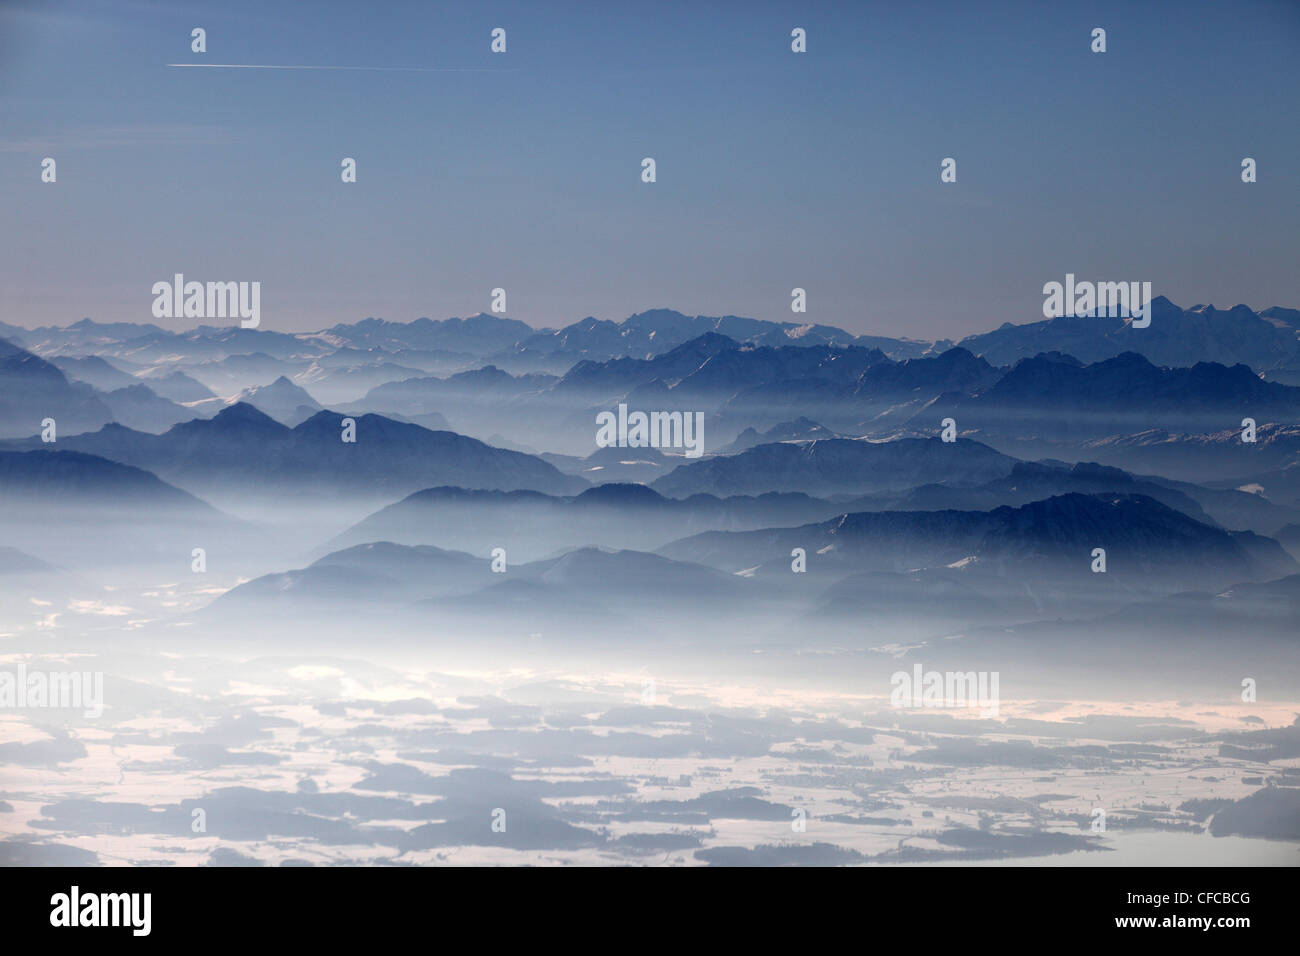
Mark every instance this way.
x=1147 y=545
x=243 y=452
x=1264 y=340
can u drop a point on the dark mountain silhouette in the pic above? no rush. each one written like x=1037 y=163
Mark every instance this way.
x=76 y=510
x=144 y=345
x=728 y=372
x=631 y=576
x=71 y=479
x=94 y=371
x=706 y=371
x=742 y=373
x=282 y=400
x=245 y=451
x=1145 y=542
x=31 y=390
x=837 y=466
x=423 y=395
x=1282 y=318
x=1217 y=455
x=624 y=465
x=657 y=331
x=1032 y=481
x=894 y=605
x=879 y=396
x=230 y=374
x=361 y=575
x=1176 y=337
x=178 y=387
x=1289 y=537
x=601 y=381
x=394 y=579
x=801 y=429
x=639 y=595
x=1056 y=398
x=532 y=525
x=956 y=370
x=480 y=334
x=138 y=406
x=696 y=376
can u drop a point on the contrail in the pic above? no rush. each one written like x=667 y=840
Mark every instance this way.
x=383 y=69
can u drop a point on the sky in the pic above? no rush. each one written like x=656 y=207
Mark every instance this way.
x=522 y=170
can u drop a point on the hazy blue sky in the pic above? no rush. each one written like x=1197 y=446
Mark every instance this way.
x=522 y=170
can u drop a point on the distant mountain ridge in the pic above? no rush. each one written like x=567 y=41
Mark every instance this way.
x=427 y=581
x=1058 y=394
x=244 y=450
x=32 y=390
x=1265 y=340
x=535 y=525
x=836 y=466
x=75 y=479
x=1031 y=390
x=1145 y=542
